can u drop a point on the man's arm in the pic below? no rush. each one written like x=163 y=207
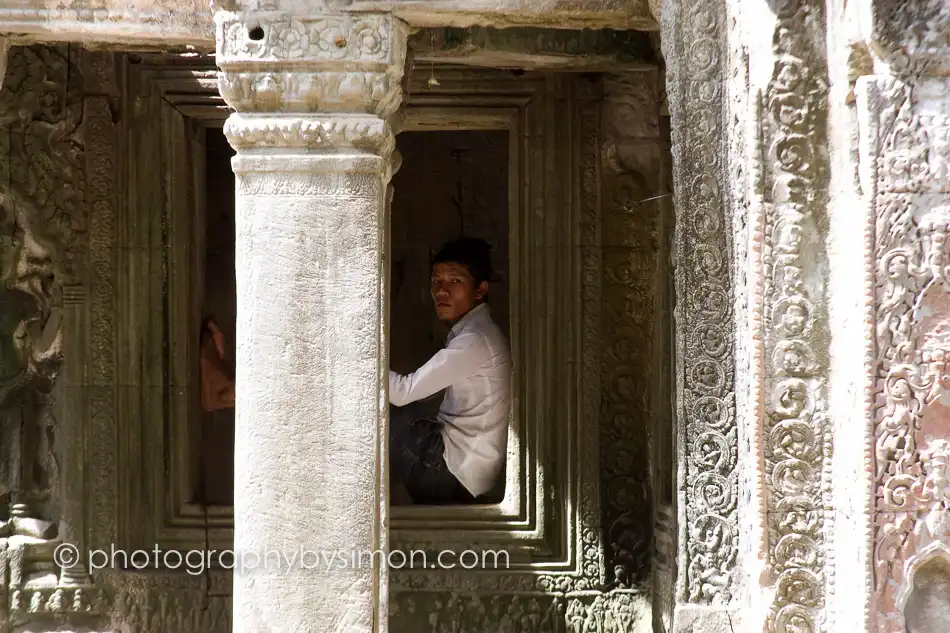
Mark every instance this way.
x=459 y=360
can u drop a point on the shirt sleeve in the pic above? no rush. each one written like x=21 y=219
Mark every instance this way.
x=459 y=360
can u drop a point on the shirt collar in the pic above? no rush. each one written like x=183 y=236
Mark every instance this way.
x=470 y=316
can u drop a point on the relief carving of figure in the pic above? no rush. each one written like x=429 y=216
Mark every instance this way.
x=42 y=239
x=30 y=361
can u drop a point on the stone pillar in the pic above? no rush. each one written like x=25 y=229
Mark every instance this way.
x=313 y=95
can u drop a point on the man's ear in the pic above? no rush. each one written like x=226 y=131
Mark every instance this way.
x=483 y=290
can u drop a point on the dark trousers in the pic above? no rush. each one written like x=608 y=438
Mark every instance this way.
x=416 y=457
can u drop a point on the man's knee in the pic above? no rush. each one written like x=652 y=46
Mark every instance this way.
x=400 y=416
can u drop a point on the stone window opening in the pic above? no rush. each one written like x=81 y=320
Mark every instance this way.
x=451 y=184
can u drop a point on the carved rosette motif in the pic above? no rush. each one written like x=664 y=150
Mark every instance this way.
x=694 y=36
x=910 y=136
x=591 y=229
x=797 y=436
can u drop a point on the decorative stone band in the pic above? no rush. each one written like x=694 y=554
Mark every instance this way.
x=328 y=133
x=295 y=175
x=277 y=61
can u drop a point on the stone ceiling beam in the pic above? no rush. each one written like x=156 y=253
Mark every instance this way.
x=572 y=14
x=189 y=23
x=167 y=23
x=536 y=49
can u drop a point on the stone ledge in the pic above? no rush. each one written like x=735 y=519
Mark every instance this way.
x=570 y=14
x=190 y=24
x=168 y=24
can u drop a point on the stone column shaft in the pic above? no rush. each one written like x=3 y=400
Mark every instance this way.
x=313 y=96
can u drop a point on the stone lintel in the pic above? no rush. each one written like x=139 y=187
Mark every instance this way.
x=535 y=48
x=167 y=23
x=189 y=23
x=570 y=14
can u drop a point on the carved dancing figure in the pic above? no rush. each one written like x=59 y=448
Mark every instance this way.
x=30 y=361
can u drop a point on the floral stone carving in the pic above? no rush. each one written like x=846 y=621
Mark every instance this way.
x=272 y=62
x=911 y=430
x=693 y=38
x=796 y=435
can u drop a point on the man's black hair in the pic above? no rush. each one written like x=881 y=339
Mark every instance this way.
x=471 y=252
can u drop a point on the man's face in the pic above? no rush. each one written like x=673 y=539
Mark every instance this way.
x=454 y=291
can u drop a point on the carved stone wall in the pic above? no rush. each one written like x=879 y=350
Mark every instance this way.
x=748 y=89
x=905 y=168
x=839 y=317
x=796 y=437
x=53 y=123
x=811 y=337
x=61 y=165
x=74 y=230
x=694 y=40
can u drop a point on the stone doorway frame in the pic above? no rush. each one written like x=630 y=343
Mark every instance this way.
x=546 y=297
x=543 y=533
x=581 y=581
x=710 y=308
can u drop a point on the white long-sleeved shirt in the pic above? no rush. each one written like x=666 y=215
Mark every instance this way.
x=475 y=370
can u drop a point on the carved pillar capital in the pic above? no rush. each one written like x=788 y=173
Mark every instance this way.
x=278 y=62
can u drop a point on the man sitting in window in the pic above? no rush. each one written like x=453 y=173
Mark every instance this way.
x=458 y=456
